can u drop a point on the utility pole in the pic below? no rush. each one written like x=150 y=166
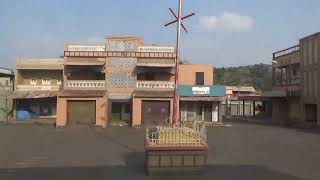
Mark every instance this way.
x=179 y=18
x=176 y=92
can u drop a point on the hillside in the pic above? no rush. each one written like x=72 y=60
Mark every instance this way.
x=258 y=76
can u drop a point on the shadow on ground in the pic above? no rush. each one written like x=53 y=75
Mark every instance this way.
x=313 y=129
x=134 y=170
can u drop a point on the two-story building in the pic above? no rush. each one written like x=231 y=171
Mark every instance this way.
x=242 y=101
x=284 y=98
x=200 y=99
x=122 y=81
x=37 y=83
x=296 y=94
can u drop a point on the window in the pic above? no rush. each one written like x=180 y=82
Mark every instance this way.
x=7 y=82
x=199 y=78
x=33 y=81
x=294 y=72
x=46 y=81
x=149 y=77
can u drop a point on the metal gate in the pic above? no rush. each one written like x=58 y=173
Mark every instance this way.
x=155 y=112
x=81 y=112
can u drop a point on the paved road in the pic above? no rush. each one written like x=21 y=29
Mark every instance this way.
x=243 y=151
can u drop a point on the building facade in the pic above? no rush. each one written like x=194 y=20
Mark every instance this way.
x=295 y=93
x=242 y=101
x=309 y=73
x=200 y=99
x=37 y=83
x=122 y=81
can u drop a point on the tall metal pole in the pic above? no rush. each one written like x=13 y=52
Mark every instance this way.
x=176 y=93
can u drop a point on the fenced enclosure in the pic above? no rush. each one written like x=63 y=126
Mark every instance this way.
x=176 y=148
x=187 y=133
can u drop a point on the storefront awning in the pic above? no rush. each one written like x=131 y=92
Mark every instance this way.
x=202 y=98
x=249 y=98
x=201 y=91
x=80 y=93
x=31 y=95
x=154 y=94
x=120 y=97
x=142 y=70
x=274 y=94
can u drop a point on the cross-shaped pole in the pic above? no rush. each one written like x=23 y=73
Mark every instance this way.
x=179 y=18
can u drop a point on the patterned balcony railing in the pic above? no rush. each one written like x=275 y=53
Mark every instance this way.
x=85 y=84
x=38 y=87
x=40 y=61
x=150 y=48
x=286 y=51
x=155 y=84
x=37 y=63
x=90 y=48
x=194 y=133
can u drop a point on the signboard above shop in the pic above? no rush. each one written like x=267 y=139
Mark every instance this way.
x=201 y=90
x=163 y=49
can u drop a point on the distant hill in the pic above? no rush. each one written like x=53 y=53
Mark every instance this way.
x=258 y=76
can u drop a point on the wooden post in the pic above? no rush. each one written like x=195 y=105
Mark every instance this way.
x=281 y=77
x=243 y=108
x=176 y=92
x=254 y=108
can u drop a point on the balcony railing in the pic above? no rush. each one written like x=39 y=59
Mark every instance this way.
x=155 y=84
x=150 y=48
x=293 y=81
x=40 y=61
x=85 y=84
x=37 y=63
x=86 y=48
x=286 y=51
x=38 y=87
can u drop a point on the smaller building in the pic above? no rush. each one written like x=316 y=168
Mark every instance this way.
x=200 y=99
x=242 y=101
x=6 y=87
x=295 y=96
x=37 y=83
x=282 y=103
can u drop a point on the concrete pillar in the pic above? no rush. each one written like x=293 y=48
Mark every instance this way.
x=202 y=108
x=215 y=112
x=281 y=77
x=303 y=111
x=136 y=112
x=220 y=111
x=273 y=76
x=61 y=119
x=239 y=108
x=101 y=111
x=14 y=115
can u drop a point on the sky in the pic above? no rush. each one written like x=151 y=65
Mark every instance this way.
x=223 y=33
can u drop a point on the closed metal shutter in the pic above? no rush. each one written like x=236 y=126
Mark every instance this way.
x=155 y=112
x=81 y=112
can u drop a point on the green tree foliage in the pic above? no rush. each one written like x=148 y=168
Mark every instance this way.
x=258 y=76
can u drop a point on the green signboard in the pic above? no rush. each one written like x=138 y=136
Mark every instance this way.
x=204 y=91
